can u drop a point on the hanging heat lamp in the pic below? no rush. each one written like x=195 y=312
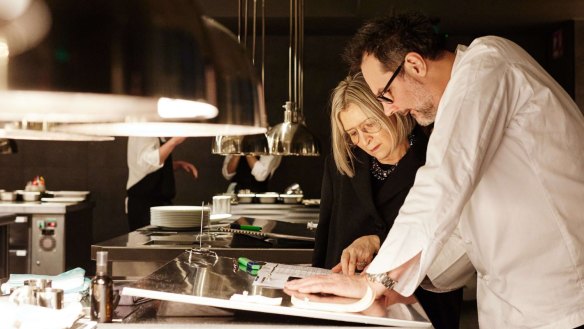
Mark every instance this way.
x=24 y=24
x=172 y=72
x=255 y=144
x=292 y=137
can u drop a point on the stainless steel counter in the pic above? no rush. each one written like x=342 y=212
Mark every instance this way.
x=48 y=237
x=202 y=286
x=139 y=253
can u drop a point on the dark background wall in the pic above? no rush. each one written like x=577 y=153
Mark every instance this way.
x=100 y=167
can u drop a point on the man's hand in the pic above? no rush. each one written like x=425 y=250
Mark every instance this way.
x=336 y=284
x=358 y=255
x=186 y=166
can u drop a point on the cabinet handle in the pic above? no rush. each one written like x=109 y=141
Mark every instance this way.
x=21 y=219
x=19 y=252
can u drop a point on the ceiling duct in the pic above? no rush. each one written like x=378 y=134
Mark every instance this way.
x=135 y=68
x=292 y=137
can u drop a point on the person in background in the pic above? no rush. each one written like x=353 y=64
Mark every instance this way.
x=505 y=164
x=250 y=172
x=374 y=164
x=151 y=176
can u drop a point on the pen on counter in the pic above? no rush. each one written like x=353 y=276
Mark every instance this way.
x=245 y=227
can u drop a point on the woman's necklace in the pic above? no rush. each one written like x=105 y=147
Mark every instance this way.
x=382 y=173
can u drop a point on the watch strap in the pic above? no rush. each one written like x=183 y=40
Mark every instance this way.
x=382 y=278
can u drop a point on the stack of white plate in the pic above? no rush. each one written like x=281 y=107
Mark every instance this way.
x=181 y=217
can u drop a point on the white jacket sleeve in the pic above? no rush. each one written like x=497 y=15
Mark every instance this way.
x=227 y=175
x=265 y=167
x=451 y=269
x=143 y=158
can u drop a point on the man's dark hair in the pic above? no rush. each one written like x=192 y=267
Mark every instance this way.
x=390 y=38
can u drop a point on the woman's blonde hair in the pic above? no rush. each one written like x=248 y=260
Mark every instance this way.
x=354 y=90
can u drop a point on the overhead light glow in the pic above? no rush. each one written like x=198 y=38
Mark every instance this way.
x=169 y=108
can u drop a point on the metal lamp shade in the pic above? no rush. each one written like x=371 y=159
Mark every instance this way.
x=289 y=138
x=241 y=145
x=135 y=68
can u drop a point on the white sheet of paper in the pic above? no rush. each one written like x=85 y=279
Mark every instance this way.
x=274 y=275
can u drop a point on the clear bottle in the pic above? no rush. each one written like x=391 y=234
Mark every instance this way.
x=102 y=291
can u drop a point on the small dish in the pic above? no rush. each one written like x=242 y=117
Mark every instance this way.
x=245 y=197
x=291 y=198
x=30 y=196
x=7 y=196
x=269 y=197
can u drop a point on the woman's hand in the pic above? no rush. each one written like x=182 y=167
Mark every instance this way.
x=358 y=255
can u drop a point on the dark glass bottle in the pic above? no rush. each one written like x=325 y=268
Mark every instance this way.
x=102 y=291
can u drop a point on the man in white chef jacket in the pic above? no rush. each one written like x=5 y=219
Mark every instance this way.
x=505 y=164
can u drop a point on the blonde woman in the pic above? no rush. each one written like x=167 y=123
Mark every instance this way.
x=373 y=166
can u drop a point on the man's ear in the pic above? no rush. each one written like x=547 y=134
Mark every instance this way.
x=415 y=65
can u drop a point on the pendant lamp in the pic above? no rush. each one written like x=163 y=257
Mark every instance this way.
x=256 y=144
x=135 y=68
x=24 y=24
x=292 y=137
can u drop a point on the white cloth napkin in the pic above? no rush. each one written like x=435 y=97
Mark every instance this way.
x=72 y=281
x=36 y=317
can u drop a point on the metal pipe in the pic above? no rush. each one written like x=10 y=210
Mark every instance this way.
x=253 y=37
x=239 y=13
x=245 y=24
x=290 y=51
x=263 y=42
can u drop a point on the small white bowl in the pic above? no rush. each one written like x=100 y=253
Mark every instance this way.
x=30 y=196
x=245 y=197
x=291 y=198
x=267 y=197
x=7 y=196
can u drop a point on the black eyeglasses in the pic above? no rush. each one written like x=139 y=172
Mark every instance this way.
x=381 y=96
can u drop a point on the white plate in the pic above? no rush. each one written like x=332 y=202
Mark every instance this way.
x=69 y=193
x=180 y=208
x=63 y=199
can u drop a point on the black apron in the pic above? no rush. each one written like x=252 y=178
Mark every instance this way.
x=155 y=189
x=245 y=180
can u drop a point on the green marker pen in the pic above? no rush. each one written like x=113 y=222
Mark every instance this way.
x=249 y=264
x=246 y=227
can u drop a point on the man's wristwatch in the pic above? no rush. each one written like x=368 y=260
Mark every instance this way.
x=382 y=278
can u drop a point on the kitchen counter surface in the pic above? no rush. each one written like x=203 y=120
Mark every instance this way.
x=39 y=207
